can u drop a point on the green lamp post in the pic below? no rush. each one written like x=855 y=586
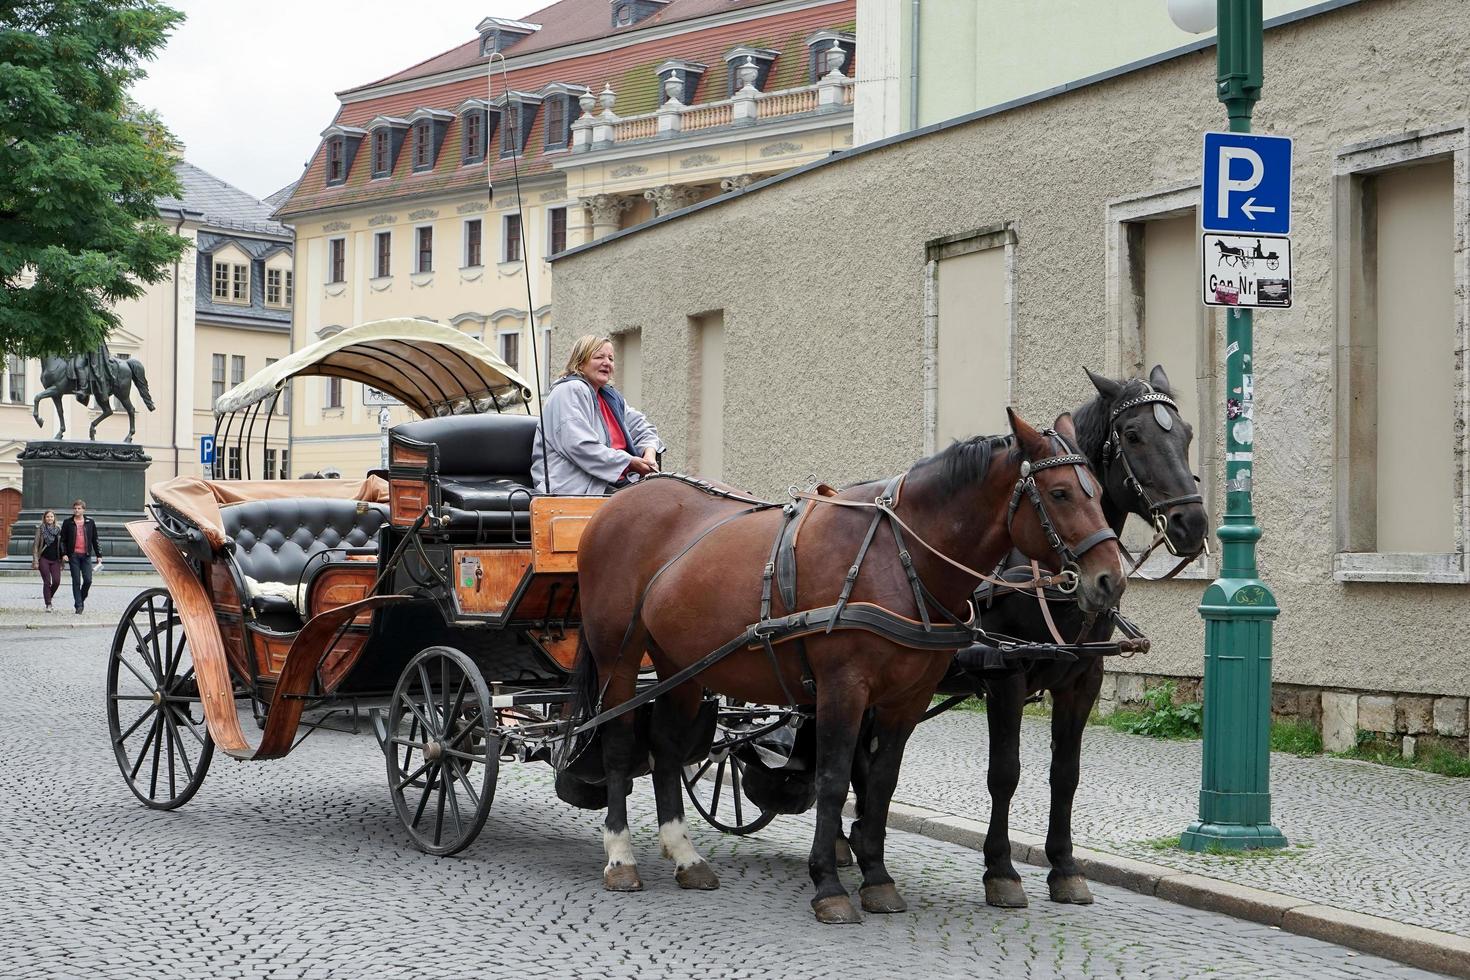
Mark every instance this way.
x=1238 y=608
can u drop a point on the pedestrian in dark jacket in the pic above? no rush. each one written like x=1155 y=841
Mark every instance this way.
x=81 y=551
x=46 y=556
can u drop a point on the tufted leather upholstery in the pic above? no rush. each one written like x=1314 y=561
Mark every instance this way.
x=484 y=469
x=274 y=539
x=487 y=444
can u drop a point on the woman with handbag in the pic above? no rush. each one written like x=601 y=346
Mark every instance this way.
x=46 y=556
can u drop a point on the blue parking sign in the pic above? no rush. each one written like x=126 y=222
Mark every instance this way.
x=1247 y=185
x=206 y=449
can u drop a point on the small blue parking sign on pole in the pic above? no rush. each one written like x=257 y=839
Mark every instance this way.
x=206 y=449
x=1247 y=188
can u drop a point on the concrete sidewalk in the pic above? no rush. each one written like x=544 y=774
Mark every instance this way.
x=1366 y=840
x=21 y=605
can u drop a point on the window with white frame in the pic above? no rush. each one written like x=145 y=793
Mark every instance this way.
x=423 y=144
x=16 y=371
x=285 y=469
x=332 y=393
x=510 y=348
x=1403 y=506
x=237 y=369
x=234 y=459
x=240 y=283
x=511 y=238
x=971 y=323
x=1156 y=318
x=221 y=281
x=230 y=278
x=472 y=251
x=556 y=230
x=270 y=464
x=336 y=260
x=423 y=249
x=216 y=377
x=383 y=254
x=277 y=283
x=290 y=286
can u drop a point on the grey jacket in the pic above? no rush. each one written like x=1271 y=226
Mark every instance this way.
x=571 y=450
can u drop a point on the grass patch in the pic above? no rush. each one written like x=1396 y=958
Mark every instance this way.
x=1295 y=737
x=1215 y=850
x=1160 y=717
x=1438 y=760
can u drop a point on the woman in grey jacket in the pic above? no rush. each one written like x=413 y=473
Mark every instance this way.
x=589 y=439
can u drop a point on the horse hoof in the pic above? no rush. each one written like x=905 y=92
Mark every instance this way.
x=1071 y=890
x=698 y=877
x=844 y=854
x=622 y=878
x=835 y=910
x=883 y=898
x=1005 y=893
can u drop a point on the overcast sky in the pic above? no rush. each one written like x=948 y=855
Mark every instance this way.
x=249 y=88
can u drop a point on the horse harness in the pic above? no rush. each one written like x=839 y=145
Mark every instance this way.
x=779 y=573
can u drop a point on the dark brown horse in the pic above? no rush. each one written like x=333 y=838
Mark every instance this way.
x=1137 y=442
x=671 y=570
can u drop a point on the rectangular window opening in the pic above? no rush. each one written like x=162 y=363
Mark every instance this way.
x=472 y=243
x=512 y=238
x=424 y=254
x=337 y=260
x=383 y=254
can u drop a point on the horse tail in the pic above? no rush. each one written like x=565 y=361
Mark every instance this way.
x=585 y=687
x=141 y=380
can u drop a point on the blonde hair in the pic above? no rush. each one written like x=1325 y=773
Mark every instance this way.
x=48 y=510
x=582 y=352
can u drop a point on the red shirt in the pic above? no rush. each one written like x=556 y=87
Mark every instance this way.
x=614 y=430
x=80 y=547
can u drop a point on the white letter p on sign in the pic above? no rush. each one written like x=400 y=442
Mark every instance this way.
x=1228 y=185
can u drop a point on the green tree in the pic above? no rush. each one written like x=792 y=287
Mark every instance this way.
x=80 y=169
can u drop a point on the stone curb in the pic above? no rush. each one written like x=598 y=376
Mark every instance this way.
x=44 y=625
x=1427 y=949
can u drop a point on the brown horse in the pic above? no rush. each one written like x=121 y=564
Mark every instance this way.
x=677 y=572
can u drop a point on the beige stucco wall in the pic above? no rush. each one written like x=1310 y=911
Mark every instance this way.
x=820 y=278
x=255 y=346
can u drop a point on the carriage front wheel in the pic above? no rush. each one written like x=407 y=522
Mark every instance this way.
x=442 y=757
x=155 y=717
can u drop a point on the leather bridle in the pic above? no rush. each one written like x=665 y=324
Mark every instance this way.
x=1071 y=555
x=1114 y=450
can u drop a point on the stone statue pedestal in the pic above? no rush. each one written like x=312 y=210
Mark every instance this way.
x=109 y=476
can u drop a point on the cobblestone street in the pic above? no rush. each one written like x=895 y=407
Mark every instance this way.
x=298 y=868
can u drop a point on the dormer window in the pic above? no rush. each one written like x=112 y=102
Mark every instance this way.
x=474 y=123
x=562 y=109
x=341 y=147
x=755 y=63
x=426 y=135
x=387 y=137
x=517 y=116
x=497 y=34
x=625 y=13
x=822 y=56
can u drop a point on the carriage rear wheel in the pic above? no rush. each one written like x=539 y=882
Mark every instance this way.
x=716 y=788
x=154 y=714
x=442 y=757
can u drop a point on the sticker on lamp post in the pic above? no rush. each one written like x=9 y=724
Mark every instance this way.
x=1247 y=271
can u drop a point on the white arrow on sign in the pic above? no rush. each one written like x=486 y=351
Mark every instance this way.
x=1250 y=208
x=1229 y=186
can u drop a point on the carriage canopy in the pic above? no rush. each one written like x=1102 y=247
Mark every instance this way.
x=431 y=368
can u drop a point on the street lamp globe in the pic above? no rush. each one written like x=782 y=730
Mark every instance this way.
x=1194 y=16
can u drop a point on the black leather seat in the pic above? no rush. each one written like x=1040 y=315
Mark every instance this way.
x=484 y=469
x=275 y=540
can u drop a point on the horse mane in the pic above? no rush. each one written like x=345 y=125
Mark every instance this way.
x=966 y=462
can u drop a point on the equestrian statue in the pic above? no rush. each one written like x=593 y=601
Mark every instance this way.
x=93 y=374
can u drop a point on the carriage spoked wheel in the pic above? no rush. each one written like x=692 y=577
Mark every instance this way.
x=443 y=758
x=155 y=717
x=716 y=786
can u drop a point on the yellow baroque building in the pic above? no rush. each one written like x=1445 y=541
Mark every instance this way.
x=441 y=191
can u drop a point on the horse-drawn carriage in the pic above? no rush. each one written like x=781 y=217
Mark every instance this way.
x=443 y=595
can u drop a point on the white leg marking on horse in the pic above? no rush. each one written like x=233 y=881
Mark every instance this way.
x=619 y=847
x=674 y=836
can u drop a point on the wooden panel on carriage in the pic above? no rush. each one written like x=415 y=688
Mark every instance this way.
x=339 y=583
x=548 y=597
x=486 y=579
x=559 y=645
x=407 y=457
x=407 y=499
x=557 y=524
